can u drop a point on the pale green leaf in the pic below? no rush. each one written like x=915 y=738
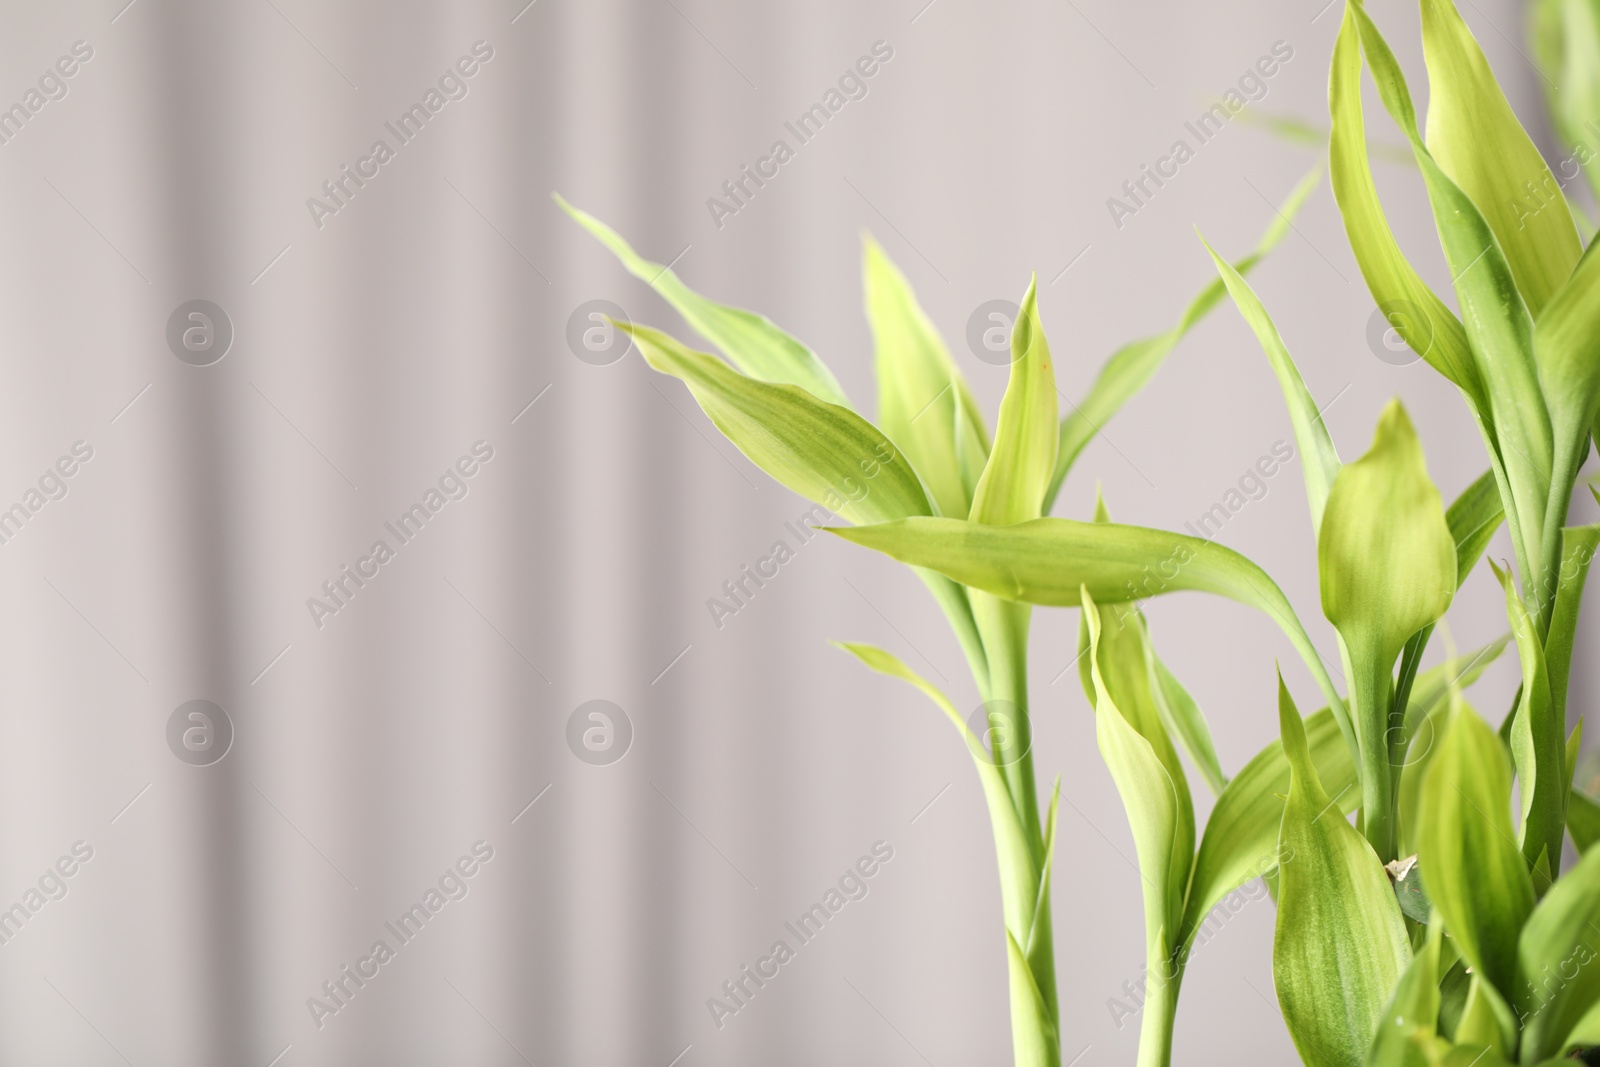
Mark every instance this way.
x=1340 y=946
x=1387 y=565
x=1412 y=1014
x=751 y=341
x=1538 y=741
x=1473 y=517
x=1023 y=457
x=923 y=402
x=1476 y=139
x=1467 y=850
x=1035 y=1042
x=1578 y=547
x=1047 y=561
x=826 y=453
x=1187 y=723
x=1583 y=820
x=1566 y=41
x=1319 y=460
x=1557 y=953
x=1241 y=836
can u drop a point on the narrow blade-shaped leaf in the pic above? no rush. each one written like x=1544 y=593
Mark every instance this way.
x=1023 y=457
x=1578 y=547
x=1566 y=42
x=1476 y=138
x=1319 y=460
x=1538 y=741
x=1339 y=926
x=1466 y=847
x=1583 y=820
x=1186 y=723
x=1131 y=367
x=751 y=341
x=923 y=402
x=1035 y=1042
x=826 y=453
x=1473 y=518
x=1241 y=836
x=1412 y=1015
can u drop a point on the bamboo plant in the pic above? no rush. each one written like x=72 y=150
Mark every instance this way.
x=1439 y=929
x=929 y=454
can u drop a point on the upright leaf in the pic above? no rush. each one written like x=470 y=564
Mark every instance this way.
x=1319 y=460
x=1537 y=741
x=1387 y=564
x=1566 y=40
x=1476 y=138
x=1408 y=1031
x=1578 y=547
x=1186 y=722
x=1340 y=945
x=1466 y=847
x=1023 y=458
x=1241 y=836
x=751 y=341
x=1557 y=953
x=923 y=402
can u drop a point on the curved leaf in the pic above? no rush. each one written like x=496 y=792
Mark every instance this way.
x=1023 y=457
x=1476 y=876
x=924 y=404
x=1047 y=561
x=1340 y=945
x=751 y=341
x=1319 y=460
x=1537 y=742
x=1476 y=139
x=1557 y=953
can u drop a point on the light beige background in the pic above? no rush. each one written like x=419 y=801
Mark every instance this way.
x=425 y=316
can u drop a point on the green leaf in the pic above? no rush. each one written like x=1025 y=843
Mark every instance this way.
x=1426 y=717
x=923 y=402
x=1412 y=1014
x=1486 y=1020
x=1023 y=458
x=1557 y=951
x=1319 y=460
x=1478 y=142
x=1467 y=850
x=1046 y=561
x=751 y=341
x=1035 y=1042
x=1340 y=946
x=824 y=452
x=1537 y=741
x=1416 y=312
x=1387 y=564
x=1131 y=367
x=1566 y=41
x=1583 y=820
x=1187 y=723
x=1473 y=517
x=1578 y=547
x=1131 y=735
x=1241 y=836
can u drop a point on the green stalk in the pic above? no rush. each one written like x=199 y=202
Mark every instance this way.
x=1160 y=1009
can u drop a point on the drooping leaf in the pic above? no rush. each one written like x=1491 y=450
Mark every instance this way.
x=1047 y=561
x=1387 y=564
x=1132 y=366
x=1467 y=850
x=1538 y=741
x=1476 y=139
x=1557 y=954
x=1241 y=836
x=1023 y=457
x=1319 y=460
x=1339 y=927
x=923 y=402
x=824 y=452
x=751 y=341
